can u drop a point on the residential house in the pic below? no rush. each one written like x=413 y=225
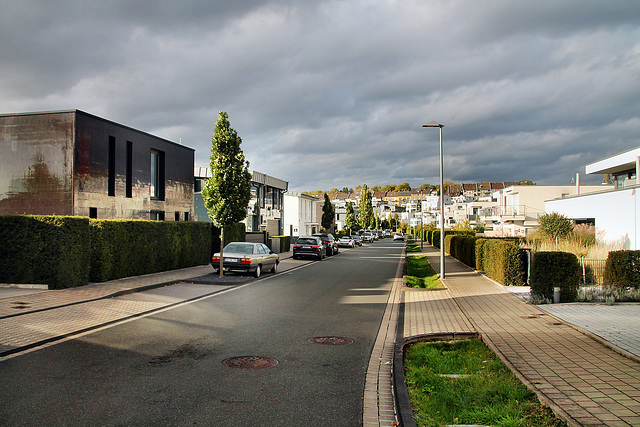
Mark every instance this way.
x=518 y=206
x=74 y=163
x=300 y=214
x=266 y=206
x=615 y=210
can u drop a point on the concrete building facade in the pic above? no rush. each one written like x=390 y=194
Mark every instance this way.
x=74 y=163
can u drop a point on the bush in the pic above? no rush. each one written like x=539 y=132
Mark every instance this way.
x=501 y=261
x=622 y=269
x=555 y=269
x=125 y=248
x=51 y=250
x=463 y=248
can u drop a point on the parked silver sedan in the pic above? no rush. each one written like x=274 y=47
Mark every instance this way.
x=346 y=241
x=246 y=257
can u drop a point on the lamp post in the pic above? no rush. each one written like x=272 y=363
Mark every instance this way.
x=438 y=125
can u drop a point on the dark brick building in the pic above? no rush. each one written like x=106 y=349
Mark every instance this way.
x=74 y=163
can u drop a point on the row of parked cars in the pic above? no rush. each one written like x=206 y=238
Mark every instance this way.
x=253 y=258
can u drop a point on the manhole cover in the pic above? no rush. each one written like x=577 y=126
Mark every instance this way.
x=20 y=305
x=250 y=362
x=330 y=340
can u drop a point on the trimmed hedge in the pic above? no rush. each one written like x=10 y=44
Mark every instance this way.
x=125 y=248
x=555 y=269
x=63 y=252
x=51 y=250
x=622 y=269
x=501 y=261
x=463 y=248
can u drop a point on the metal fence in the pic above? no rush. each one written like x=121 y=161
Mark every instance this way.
x=592 y=271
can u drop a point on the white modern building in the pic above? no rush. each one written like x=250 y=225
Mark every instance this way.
x=300 y=218
x=614 y=211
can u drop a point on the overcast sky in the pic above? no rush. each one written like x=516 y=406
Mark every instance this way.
x=334 y=93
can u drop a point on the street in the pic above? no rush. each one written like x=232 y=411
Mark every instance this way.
x=167 y=368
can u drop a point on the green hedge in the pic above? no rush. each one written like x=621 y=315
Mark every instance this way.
x=65 y=252
x=125 y=248
x=501 y=261
x=555 y=269
x=622 y=269
x=49 y=250
x=463 y=248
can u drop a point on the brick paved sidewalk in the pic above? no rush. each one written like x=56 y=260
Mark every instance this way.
x=23 y=304
x=584 y=381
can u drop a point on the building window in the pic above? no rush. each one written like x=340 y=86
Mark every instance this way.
x=93 y=212
x=111 y=173
x=157 y=175
x=156 y=215
x=177 y=216
x=129 y=180
x=186 y=216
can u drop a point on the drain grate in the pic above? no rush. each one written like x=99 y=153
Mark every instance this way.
x=330 y=340
x=250 y=362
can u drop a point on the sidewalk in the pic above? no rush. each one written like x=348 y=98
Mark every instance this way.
x=585 y=381
x=32 y=320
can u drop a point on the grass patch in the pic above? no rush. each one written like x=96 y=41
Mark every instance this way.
x=413 y=248
x=420 y=274
x=485 y=393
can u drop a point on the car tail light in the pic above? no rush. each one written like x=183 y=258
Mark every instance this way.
x=297 y=246
x=215 y=259
x=245 y=261
x=315 y=247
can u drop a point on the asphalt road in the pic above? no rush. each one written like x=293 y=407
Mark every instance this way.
x=167 y=368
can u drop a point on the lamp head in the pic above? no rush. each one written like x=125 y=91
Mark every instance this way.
x=433 y=125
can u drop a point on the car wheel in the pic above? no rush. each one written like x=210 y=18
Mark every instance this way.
x=256 y=273
x=295 y=257
x=320 y=257
x=274 y=270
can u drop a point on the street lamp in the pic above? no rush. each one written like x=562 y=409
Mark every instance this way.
x=438 y=125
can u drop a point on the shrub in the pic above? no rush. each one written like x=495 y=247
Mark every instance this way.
x=555 y=269
x=501 y=261
x=125 y=248
x=52 y=250
x=463 y=248
x=555 y=225
x=622 y=269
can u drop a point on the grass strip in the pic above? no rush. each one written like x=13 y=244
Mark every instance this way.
x=413 y=248
x=463 y=382
x=420 y=274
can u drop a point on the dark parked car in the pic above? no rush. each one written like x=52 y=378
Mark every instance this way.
x=329 y=242
x=309 y=246
x=246 y=257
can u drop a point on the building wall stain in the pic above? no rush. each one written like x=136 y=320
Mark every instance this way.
x=74 y=163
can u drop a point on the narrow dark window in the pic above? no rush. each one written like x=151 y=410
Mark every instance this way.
x=93 y=212
x=157 y=175
x=111 y=174
x=177 y=216
x=129 y=183
x=186 y=216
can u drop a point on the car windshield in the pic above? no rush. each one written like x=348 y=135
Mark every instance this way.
x=307 y=241
x=239 y=248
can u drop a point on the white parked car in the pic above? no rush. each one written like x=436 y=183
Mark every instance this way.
x=346 y=241
x=398 y=236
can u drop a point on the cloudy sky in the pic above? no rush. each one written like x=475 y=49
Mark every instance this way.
x=334 y=93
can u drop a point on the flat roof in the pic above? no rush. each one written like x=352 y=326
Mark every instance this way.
x=617 y=163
